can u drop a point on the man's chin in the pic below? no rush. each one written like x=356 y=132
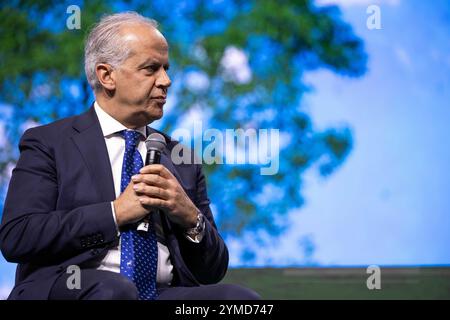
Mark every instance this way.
x=154 y=115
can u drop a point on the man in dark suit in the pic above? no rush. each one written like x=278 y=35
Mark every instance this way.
x=79 y=192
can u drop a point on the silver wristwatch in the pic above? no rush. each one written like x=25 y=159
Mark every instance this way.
x=199 y=227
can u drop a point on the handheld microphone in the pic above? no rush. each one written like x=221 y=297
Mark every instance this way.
x=155 y=143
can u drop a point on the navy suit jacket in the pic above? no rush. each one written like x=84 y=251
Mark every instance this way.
x=58 y=213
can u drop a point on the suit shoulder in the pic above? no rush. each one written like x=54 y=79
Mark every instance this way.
x=52 y=131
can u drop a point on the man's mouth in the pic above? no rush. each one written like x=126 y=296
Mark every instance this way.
x=159 y=99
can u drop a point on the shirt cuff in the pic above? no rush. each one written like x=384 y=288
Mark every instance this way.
x=114 y=217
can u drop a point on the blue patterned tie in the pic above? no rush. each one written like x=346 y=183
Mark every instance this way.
x=139 y=250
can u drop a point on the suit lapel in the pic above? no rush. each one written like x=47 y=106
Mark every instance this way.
x=165 y=154
x=91 y=144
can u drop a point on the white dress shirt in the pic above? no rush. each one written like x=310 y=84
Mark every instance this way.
x=116 y=149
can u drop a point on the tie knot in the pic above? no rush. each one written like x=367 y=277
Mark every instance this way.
x=131 y=137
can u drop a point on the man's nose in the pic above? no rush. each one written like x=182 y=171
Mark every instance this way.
x=163 y=79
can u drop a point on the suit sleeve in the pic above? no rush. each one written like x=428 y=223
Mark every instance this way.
x=32 y=230
x=207 y=260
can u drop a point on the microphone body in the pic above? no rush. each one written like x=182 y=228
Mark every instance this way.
x=154 y=143
x=153 y=157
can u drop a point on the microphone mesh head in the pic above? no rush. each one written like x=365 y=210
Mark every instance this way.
x=155 y=141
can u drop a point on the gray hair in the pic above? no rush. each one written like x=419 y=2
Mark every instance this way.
x=104 y=43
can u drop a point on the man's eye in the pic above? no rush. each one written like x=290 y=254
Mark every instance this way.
x=152 y=68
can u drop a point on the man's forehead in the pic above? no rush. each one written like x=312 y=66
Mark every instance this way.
x=139 y=35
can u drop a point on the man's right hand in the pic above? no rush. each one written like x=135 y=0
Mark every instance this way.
x=128 y=208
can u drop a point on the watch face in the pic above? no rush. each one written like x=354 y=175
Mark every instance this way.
x=199 y=227
x=201 y=222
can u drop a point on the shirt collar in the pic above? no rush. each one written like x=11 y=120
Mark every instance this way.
x=110 y=125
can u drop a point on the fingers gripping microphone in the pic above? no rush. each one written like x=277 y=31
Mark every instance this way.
x=155 y=144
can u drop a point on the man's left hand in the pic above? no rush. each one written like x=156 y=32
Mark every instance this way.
x=157 y=187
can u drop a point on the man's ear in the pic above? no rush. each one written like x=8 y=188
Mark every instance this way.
x=106 y=76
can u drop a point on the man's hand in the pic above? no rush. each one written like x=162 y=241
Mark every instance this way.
x=156 y=187
x=128 y=208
